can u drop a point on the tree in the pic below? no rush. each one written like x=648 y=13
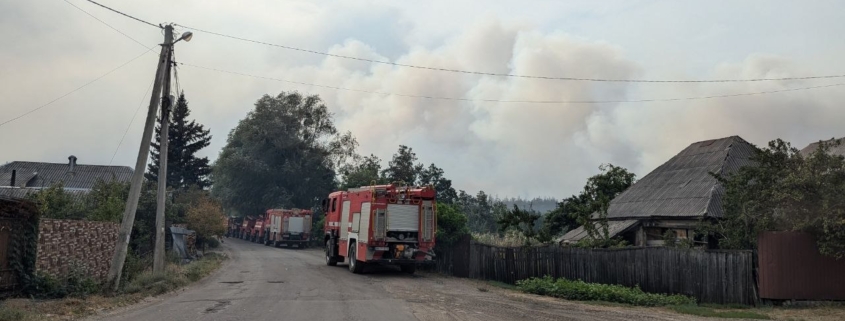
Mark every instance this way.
x=56 y=202
x=433 y=176
x=206 y=218
x=363 y=172
x=106 y=201
x=784 y=191
x=283 y=154
x=402 y=167
x=185 y=139
x=563 y=218
x=481 y=211
x=523 y=222
x=451 y=225
x=589 y=209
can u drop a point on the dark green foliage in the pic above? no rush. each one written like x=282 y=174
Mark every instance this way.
x=283 y=154
x=402 y=167
x=589 y=208
x=106 y=201
x=563 y=218
x=582 y=291
x=363 y=172
x=785 y=191
x=451 y=225
x=212 y=242
x=23 y=249
x=523 y=221
x=481 y=210
x=185 y=139
x=56 y=202
x=434 y=176
x=75 y=284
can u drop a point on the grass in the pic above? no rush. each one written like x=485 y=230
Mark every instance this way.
x=583 y=291
x=708 y=312
x=139 y=287
x=510 y=239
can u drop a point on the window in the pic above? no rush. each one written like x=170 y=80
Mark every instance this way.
x=356 y=222
x=334 y=204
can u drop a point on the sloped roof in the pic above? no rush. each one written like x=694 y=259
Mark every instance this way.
x=683 y=186
x=613 y=228
x=38 y=174
x=21 y=193
x=837 y=147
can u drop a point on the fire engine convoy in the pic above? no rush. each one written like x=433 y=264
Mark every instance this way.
x=287 y=227
x=381 y=224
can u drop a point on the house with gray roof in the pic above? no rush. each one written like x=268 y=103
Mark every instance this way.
x=20 y=178
x=836 y=147
x=675 y=196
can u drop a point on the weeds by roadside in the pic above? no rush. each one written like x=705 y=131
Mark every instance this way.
x=134 y=290
x=583 y=291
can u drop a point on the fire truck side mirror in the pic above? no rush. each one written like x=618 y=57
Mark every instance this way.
x=325 y=205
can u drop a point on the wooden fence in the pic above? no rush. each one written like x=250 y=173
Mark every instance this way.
x=723 y=277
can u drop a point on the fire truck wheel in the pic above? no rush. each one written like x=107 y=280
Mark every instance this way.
x=331 y=260
x=354 y=265
x=408 y=268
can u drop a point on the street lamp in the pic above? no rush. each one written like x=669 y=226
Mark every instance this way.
x=185 y=36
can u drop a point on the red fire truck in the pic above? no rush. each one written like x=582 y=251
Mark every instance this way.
x=233 y=227
x=289 y=227
x=246 y=227
x=255 y=233
x=382 y=224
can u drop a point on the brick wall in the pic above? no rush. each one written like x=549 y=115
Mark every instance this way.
x=67 y=244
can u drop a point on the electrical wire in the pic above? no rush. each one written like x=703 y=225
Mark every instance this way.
x=108 y=25
x=75 y=90
x=126 y=15
x=128 y=126
x=517 y=101
x=481 y=73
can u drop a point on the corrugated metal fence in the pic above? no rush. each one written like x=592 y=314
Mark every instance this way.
x=710 y=276
x=791 y=268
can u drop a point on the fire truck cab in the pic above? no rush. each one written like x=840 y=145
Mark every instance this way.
x=381 y=224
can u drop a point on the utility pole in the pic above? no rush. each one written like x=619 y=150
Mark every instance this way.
x=122 y=244
x=166 y=103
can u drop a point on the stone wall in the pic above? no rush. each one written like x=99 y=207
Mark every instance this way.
x=64 y=245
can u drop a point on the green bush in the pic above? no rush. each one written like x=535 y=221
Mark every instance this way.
x=582 y=291
x=75 y=284
x=212 y=242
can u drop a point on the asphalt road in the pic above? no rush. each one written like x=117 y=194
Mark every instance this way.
x=265 y=283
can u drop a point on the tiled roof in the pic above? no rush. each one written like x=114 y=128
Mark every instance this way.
x=683 y=186
x=38 y=174
x=837 y=147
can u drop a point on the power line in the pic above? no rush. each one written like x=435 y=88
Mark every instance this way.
x=518 y=101
x=108 y=25
x=128 y=126
x=481 y=73
x=75 y=90
x=126 y=15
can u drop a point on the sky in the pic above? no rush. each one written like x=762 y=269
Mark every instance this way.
x=507 y=149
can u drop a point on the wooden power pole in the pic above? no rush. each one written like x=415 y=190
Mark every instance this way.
x=167 y=103
x=113 y=278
